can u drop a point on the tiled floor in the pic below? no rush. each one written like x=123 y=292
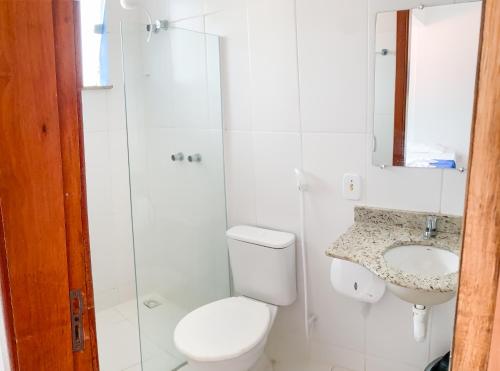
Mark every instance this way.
x=118 y=337
x=120 y=349
x=306 y=366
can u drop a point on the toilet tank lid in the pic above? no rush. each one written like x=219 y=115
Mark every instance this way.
x=261 y=236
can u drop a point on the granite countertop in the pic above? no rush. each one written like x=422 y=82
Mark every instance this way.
x=378 y=230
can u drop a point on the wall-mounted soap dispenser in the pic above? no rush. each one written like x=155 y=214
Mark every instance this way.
x=355 y=281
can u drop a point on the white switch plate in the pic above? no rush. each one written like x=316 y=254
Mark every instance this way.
x=351 y=189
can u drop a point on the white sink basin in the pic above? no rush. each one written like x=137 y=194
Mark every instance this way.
x=422 y=261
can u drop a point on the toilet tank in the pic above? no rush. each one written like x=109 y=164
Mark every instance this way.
x=263 y=264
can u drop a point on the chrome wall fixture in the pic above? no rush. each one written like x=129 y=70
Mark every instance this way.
x=157 y=26
x=194 y=158
x=151 y=27
x=179 y=156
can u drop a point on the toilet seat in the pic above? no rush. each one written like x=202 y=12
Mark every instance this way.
x=223 y=329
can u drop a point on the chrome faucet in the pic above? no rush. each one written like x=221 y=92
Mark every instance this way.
x=430 y=227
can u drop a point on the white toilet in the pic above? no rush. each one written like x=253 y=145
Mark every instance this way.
x=230 y=334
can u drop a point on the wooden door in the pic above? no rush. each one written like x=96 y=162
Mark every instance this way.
x=44 y=238
x=480 y=265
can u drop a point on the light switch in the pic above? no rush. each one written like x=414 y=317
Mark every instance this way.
x=351 y=189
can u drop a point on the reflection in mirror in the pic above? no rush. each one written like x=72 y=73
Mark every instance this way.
x=425 y=72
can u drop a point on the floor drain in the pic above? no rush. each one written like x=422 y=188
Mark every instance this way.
x=151 y=303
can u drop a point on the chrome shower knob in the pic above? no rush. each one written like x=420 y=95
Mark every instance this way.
x=194 y=158
x=177 y=156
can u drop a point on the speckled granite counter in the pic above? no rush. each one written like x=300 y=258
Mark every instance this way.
x=377 y=230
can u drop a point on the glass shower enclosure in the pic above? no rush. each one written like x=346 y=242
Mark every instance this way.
x=175 y=149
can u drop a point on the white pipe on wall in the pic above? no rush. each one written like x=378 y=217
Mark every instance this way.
x=302 y=187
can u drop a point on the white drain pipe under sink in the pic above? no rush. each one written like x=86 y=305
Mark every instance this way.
x=420 y=315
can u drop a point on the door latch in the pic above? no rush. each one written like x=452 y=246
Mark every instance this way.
x=76 y=306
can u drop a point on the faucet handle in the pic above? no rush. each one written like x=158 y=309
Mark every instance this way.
x=179 y=156
x=431 y=223
x=430 y=227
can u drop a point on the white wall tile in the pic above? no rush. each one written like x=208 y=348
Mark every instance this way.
x=98 y=178
x=158 y=8
x=116 y=14
x=181 y=9
x=191 y=24
x=453 y=192
x=115 y=69
x=332 y=39
x=212 y=6
x=276 y=155
x=389 y=333
x=340 y=319
x=95 y=112
x=116 y=117
x=327 y=157
x=109 y=225
x=240 y=178
x=119 y=171
x=231 y=26
x=108 y=202
x=402 y=188
x=273 y=65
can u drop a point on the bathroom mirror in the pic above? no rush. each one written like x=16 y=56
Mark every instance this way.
x=425 y=72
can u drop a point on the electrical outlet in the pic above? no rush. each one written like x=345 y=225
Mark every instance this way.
x=351 y=189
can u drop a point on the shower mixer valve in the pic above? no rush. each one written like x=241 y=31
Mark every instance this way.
x=194 y=158
x=177 y=156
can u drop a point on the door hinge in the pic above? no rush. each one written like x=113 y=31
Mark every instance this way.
x=76 y=305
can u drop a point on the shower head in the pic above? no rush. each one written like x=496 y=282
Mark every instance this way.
x=137 y=4
x=130 y=4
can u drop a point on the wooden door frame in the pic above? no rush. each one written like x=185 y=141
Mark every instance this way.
x=69 y=87
x=44 y=243
x=480 y=263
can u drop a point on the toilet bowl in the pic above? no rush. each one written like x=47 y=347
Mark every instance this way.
x=226 y=335
x=231 y=334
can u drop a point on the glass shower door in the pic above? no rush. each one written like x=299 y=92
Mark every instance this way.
x=174 y=124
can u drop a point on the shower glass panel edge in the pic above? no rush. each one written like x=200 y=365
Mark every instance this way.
x=176 y=170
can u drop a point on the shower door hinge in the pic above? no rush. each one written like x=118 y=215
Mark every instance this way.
x=76 y=307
